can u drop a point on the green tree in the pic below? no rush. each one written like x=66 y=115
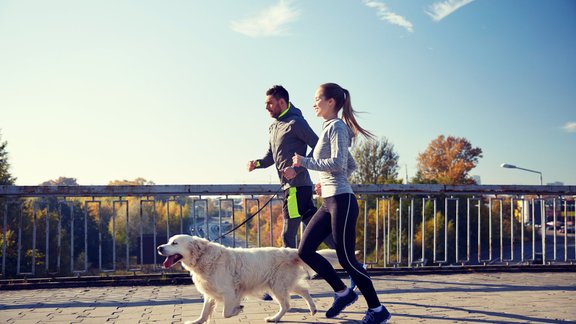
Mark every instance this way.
x=10 y=240
x=5 y=177
x=376 y=162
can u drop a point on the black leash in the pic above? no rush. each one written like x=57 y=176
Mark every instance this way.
x=251 y=216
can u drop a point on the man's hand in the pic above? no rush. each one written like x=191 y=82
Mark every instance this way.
x=251 y=166
x=289 y=173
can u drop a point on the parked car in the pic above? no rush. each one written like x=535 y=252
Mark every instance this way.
x=550 y=225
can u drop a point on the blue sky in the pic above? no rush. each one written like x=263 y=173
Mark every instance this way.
x=173 y=91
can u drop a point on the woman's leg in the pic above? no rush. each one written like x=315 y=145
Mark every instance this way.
x=344 y=211
x=316 y=231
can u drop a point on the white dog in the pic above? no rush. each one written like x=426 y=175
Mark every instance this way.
x=226 y=275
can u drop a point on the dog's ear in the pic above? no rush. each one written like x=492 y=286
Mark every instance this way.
x=197 y=245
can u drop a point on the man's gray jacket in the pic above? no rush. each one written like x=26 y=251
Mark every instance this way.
x=289 y=134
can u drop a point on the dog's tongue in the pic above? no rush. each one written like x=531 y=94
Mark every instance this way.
x=169 y=261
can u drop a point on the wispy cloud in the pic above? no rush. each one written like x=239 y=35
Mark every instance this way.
x=570 y=127
x=385 y=14
x=440 y=10
x=269 y=22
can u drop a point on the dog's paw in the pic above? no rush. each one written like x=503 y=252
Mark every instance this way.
x=198 y=321
x=233 y=312
x=272 y=319
x=239 y=309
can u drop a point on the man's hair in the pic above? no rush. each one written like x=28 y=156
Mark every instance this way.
x=279 y=92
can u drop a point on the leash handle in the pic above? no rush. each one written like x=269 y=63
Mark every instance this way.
x=250 y=217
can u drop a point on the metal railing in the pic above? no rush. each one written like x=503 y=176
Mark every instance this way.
x=52 y=231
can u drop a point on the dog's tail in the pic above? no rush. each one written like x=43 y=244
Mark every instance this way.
x=293 y=258
x=295 y=261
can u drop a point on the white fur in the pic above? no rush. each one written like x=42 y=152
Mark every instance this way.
x=226 y=275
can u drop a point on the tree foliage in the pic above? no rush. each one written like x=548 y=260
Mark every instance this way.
x=448 y=160
x=5 y=177
x=61 y=181
x=376 y=162
x=270 y=219
x=135 y=182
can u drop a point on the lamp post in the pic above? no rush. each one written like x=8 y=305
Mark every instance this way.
x=511 y=166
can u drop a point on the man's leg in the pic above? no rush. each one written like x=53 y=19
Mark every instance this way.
x=292 y=216
x=291 y=222
x=289 y=231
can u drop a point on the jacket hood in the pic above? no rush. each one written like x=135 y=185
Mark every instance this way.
x=292 y=112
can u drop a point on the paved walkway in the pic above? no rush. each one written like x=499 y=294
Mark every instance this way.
x=453 y=298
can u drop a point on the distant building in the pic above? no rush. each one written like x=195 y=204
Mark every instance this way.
x=555 y=183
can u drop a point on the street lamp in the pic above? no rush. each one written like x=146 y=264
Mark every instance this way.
x=511 y=166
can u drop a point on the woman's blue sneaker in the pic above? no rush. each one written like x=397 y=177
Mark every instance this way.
x=373 y=317
x=341 y=302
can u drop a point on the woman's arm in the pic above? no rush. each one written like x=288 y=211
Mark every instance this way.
x=337 y=160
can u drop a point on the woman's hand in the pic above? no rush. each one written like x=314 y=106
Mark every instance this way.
x=318 y=189
x=297 y=160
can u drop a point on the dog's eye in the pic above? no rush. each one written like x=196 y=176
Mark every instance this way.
x=174 y=243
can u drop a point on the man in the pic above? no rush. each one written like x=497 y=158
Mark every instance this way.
x=289 y=134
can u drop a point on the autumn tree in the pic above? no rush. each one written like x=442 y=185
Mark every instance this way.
x=134 y=216
x=5 y=177
x=448 y=160
x=61 y=181
x=270 y=218
x=135 y=182
x=376 y=162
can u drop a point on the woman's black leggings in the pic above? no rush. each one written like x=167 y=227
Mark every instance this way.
x=337 y=217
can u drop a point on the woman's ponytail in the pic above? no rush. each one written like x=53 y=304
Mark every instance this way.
x=348 y=116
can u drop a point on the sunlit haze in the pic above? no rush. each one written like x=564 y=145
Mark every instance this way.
x=173 y=91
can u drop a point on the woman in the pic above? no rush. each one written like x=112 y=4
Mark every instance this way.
x=338 y=214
